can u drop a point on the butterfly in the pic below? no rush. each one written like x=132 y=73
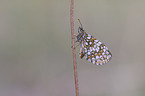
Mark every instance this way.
x=92 y=49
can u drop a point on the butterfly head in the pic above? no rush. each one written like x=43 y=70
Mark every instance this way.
x=80 y=30
x=81 y=33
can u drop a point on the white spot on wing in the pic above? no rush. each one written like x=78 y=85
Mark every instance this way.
x=85 y=50
x=90 y=43
x=97 y=49
x=104 y=50
x=107 y=52
x=86 y=43
x=89 y=53
x=93 y=61
x=90 y=49
x=93 y=49
x=95 y=46
x=89 y=37
x=103 y=53
x=96 y=40
x=97 y=57
x=100 y=42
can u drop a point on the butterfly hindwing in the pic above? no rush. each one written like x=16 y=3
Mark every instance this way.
x=95 y=51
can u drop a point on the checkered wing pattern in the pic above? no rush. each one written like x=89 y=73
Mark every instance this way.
x=92 y=49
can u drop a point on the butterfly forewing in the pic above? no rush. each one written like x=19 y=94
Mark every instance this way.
x=92 y=49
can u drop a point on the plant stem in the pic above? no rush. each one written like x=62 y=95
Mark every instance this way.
x=73 y=44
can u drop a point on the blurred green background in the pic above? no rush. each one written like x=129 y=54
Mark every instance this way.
x=36 y=53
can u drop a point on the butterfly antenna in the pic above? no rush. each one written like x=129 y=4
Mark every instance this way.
x=80 y=23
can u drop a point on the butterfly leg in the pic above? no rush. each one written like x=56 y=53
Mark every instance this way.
x=75 y=42
x=75 y=46
x=75 y=35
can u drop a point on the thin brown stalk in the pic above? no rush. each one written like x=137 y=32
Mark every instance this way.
x=73 y=44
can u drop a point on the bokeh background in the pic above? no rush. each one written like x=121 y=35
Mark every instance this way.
x=36 y=54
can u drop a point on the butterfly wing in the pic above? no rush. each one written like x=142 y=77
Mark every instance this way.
x=94 y=50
